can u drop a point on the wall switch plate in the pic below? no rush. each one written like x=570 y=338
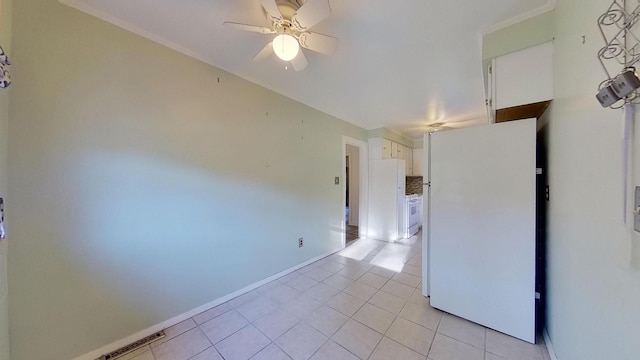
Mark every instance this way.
x=336 y=180
x=636 y=208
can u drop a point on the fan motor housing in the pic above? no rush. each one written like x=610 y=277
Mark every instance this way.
x=289 y=7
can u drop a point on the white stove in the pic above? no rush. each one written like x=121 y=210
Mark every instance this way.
x=413 y=214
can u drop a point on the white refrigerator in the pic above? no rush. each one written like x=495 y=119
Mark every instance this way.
x=386 y=199
x=479 y=239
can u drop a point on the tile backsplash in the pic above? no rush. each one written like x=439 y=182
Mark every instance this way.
x=413 y=185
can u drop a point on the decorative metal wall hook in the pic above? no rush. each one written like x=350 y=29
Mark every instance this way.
x=619 y=55
x=5 y=79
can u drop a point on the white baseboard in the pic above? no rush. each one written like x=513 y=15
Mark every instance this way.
x=95 y=354
x=547 y=342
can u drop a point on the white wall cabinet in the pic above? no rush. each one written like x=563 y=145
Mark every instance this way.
x=523 y=77
x=408 y=161
x=417 y=155
x=400 y=152
x=381 y=148
x=387 y=149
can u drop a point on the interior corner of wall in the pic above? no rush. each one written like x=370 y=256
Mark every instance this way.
x=548 y=344
x=635 y=254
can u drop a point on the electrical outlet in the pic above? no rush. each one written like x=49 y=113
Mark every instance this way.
x=300 y=242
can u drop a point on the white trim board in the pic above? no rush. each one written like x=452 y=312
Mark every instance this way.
x=193 y=312
x=547 y=343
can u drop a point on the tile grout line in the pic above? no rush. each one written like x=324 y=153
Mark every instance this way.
x=484 y=346
x=214 y=348
x=385 y=333
x=435 y=332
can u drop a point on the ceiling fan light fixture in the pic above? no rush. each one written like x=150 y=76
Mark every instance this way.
x=286 y=47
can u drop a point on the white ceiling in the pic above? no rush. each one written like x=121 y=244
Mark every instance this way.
x=399 y=64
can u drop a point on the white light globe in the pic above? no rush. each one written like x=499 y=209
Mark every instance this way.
x=286 y=47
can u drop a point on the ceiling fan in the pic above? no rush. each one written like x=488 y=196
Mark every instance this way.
x=291 y=21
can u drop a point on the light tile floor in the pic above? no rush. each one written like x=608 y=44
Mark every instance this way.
x=346 y=306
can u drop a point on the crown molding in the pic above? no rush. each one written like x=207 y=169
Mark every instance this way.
x=81 y=5
x=550 y=5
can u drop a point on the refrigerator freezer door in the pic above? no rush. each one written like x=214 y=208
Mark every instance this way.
x=482 y=243
x=386 y=199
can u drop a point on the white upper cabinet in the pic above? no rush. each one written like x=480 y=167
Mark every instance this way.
x=400 y=151
x=523 y=77
x=381 y=148
x=417 y=162
x=408 y=161
x=387 y=149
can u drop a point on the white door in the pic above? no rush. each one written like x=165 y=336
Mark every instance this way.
x=482 y=240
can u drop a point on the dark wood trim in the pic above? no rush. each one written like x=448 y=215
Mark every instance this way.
x=528 y=111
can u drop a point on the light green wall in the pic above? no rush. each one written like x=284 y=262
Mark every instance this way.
x=5 y=42
x=593 y=257
x=141 y=187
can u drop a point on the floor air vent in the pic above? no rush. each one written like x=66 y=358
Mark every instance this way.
x=133 y=346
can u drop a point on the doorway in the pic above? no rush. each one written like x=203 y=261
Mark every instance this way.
x=352 y=203
x=355 y=182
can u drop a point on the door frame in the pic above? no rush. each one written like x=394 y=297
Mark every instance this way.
x=363 y=207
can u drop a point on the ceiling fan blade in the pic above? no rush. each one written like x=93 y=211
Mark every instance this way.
x=299 y=62
x=320 y=43
x=245 y=27
x=271 y=8
x=266 y=51
x=311 y=13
